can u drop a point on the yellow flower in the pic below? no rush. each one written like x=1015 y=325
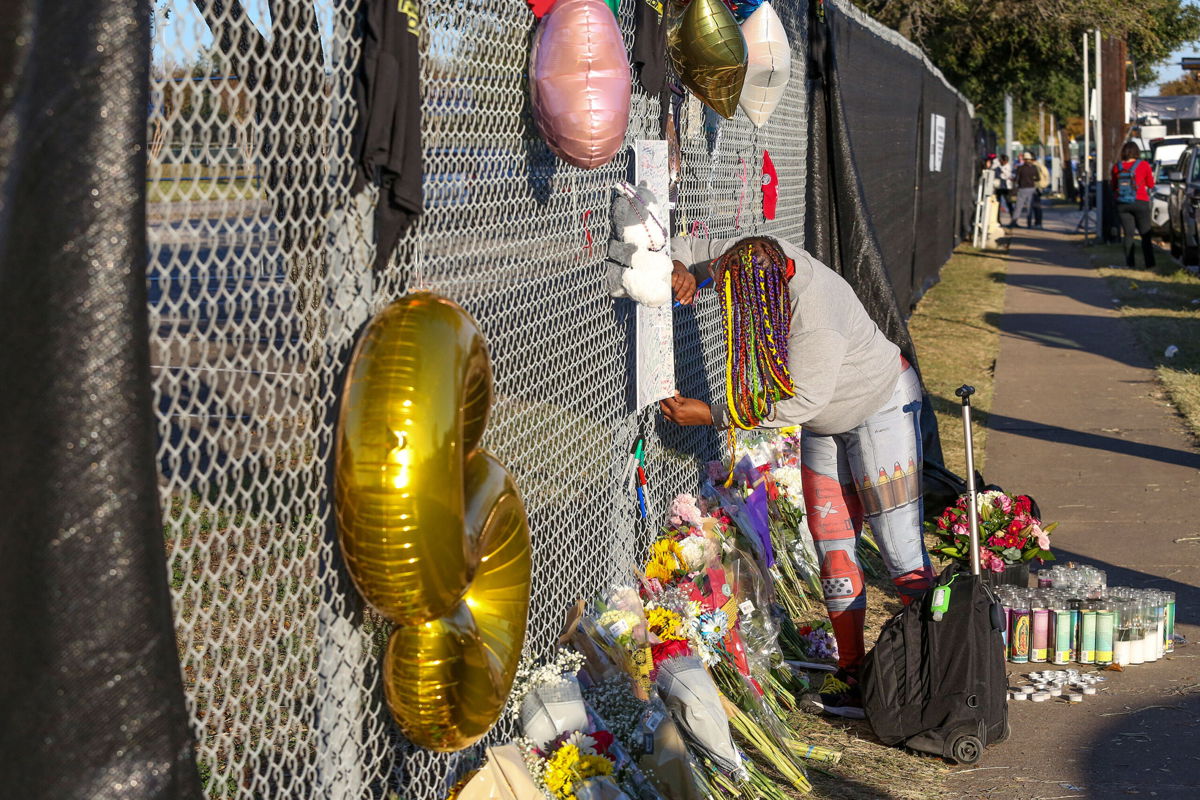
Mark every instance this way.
x=665 y=560
x=665 y=624
x=569 y=766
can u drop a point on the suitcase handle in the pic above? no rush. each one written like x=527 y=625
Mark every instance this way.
x=965 y=393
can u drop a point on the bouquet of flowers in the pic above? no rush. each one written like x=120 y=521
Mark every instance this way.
x=684 y=574
x=706 y=594
x=567 y=749
x=1009 y=533
x=570 y=761
x=646 y=730
x=688 y=694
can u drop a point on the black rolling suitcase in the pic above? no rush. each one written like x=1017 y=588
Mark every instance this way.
x=935 y=680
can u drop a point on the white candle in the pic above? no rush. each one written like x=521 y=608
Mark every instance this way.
x=1149 y=646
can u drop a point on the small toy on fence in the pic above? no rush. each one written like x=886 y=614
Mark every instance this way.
x=639 y=256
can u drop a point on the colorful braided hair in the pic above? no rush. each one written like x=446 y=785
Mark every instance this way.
x=756 y=315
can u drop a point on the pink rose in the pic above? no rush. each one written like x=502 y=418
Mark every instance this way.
x=959 y=529
x=1004 y=503
x=684 y=507
x=674 y=522
x=1043 y=540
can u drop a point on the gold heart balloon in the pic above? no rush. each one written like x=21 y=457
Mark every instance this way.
x=708 y=51
x=432 y=527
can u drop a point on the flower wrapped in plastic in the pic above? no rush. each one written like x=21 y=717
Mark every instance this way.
x=645 y=729
x=760 y=723
x=503 y=776
x=745 y=501
x=547 y=698
x=690 y=695
x=617 y=639
x=550 y=710
x=751 y=592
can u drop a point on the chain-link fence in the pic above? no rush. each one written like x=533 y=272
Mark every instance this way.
x=259 y=277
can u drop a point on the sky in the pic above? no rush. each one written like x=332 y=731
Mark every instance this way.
x=1170 y=70
x=185 y=34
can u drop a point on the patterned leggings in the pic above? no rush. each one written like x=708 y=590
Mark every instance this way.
x=871 y=472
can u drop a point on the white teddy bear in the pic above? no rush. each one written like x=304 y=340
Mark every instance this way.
x=639 y=251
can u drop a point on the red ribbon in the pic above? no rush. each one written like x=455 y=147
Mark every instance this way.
x=587 y=231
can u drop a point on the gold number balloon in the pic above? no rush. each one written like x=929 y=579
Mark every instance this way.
x=432 y=528
x=708 y=51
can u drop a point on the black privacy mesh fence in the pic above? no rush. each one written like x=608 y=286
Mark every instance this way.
x=912 y=138
x=259 y=276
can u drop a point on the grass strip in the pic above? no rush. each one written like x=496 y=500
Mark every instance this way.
x=1163 y=305
x=956 y=337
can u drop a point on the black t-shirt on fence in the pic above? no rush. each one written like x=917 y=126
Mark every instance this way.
x=387 y=137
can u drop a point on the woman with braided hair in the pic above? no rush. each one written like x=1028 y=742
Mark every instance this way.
x=802 y=350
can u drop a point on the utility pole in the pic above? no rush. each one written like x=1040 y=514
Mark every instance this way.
x=1084 y=160
x=1100 y=197
x=1008 y=134
x=1056 y=155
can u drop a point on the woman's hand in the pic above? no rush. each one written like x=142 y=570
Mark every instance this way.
x=683 y=283
x=686 y=410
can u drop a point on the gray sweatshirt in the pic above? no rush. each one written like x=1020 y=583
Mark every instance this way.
x=843 y=367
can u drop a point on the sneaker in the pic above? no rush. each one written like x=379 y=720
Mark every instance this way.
x=840 y=696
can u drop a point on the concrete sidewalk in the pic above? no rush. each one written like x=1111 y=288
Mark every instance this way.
x=1079 y=422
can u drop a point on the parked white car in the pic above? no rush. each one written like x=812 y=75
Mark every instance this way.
x=1160 y=217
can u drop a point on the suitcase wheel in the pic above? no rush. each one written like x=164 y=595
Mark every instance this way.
x=966 y=749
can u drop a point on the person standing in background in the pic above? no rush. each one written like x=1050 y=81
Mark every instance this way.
x=1132 y=182
x=1034 y=217
x=1026 y=178
x=1004 y=176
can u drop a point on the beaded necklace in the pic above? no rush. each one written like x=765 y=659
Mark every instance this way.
x=756 y=318
x=662 y=231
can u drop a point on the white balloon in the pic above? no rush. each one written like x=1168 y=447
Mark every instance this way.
x=769 y=65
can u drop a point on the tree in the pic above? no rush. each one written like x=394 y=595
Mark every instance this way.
x=1188 y=84
x=1031 y=48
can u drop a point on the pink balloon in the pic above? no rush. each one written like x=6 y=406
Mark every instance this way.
x=579 y=82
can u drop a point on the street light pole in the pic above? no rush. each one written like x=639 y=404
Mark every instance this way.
x=1008 y=125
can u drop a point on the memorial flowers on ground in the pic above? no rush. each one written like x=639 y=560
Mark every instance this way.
x=1009 y=533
